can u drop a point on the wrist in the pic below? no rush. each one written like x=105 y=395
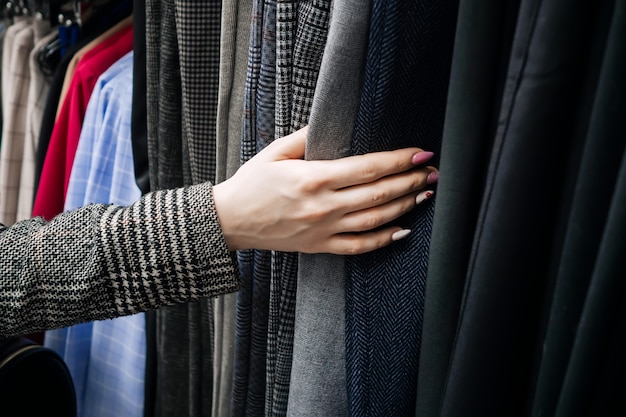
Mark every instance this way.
x=221 y=198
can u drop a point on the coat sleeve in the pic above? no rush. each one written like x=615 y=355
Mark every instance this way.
x=104 y=261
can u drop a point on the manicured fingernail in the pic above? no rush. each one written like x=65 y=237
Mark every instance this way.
x=432 y=178
x=421 y=157
x=400 y=234
x=424 y=195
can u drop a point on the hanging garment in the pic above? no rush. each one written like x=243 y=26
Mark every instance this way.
x=542 y=80
x=4 y=25
x=163 y=102
x=13 y=27
x=302 y=29
x=266 y=301
x=236 y=15
x=57 y=170
x=138 y=119
x=164 y=144
x=593 y=373
x=74 y=344
x=37 y=93
x=89 y=32
x=403 y=104
x=235 y=37
x=287 y=43
x=115 y=12
x=60 y=154
x=318 y=375
x=19 y=41
x=182 y=79
x=139 y=142
x=248 y=398
x=103 y=173
x=71 y=67
x=482 y=44
x=524 y=289
x=247 y=307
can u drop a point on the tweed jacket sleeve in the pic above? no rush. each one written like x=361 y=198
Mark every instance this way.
x=104 y=261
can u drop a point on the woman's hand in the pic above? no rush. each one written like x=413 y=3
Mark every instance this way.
x=278 y=201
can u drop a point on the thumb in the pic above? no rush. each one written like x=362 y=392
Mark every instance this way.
x=289 y=147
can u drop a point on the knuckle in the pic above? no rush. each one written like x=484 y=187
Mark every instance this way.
x=400 y=165
x=371 y=221
x=355 y=247
x=418 y=183
x=409 y=203
x=379 y=196
x=368 y=170
x=361 y=245
x=397 y=166
x=419 y=179
x=379 y=243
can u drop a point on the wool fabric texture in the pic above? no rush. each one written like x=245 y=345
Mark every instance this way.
x=403 y=104
x=94 y=269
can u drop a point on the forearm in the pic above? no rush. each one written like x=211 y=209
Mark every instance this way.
x=101 y=262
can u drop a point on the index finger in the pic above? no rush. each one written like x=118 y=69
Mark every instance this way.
x=362 y=169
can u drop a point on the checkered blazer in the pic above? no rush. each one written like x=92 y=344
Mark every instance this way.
x=105 y=261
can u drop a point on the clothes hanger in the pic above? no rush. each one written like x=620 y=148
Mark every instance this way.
x=69 y=17
x=65 y=16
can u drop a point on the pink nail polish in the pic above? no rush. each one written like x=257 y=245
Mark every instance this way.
x=432 y=178
x=421 y=157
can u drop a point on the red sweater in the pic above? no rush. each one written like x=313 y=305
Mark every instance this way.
x=55 y=174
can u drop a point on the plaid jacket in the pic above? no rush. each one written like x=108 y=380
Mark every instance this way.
x=106 y=261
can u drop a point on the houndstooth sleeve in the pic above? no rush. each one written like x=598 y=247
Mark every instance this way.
x=105 y=261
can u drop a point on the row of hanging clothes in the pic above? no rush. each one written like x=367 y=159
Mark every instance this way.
x=67 y=83
x=505 y=298
x=38 y=36
x=28 y=61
